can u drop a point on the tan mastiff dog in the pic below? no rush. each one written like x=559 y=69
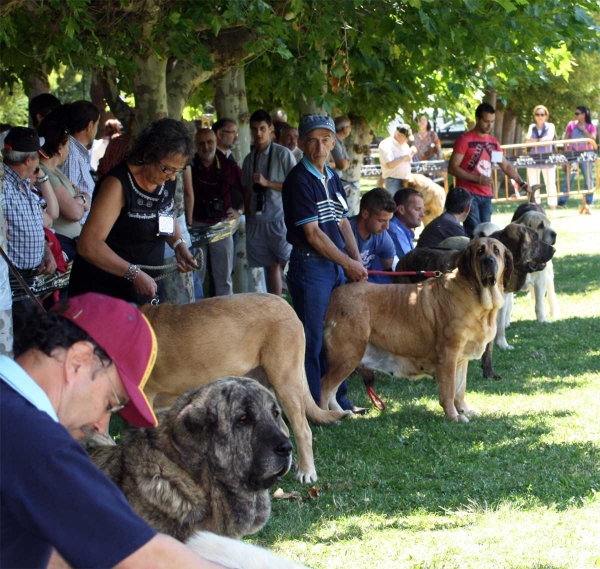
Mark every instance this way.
x=434 y=195
x=251 y=335
x=427 y=329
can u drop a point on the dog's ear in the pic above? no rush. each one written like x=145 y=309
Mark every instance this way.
x=465 y=261
x=509 y=267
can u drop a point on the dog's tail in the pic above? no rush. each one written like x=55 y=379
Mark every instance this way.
x=317 y=415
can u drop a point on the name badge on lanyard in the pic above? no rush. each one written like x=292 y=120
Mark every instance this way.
x=166 y=222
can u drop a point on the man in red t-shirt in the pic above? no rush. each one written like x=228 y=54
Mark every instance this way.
x=471 y=164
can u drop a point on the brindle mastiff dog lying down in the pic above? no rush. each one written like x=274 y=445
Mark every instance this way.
x=427 y=329
x=209 y=463
x=250 y=335
x=530 y=254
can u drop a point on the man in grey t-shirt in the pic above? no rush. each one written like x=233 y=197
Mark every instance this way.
x=263 y=172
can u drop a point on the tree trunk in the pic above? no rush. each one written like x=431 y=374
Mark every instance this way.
x=518 y=134
x=491 y=96
x=230 y=101
x=498 y=125
x=357 y=146
x=150 y=90
x=308 y=106
x=97 y=96
x=182 y=80
x=509 y=127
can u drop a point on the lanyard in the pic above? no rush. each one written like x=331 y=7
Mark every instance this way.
x=268 y=176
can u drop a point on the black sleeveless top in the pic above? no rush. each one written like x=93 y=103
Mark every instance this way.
x=134 y=237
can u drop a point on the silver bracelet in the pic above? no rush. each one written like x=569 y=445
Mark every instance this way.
x=177 y=243
x=132 y=272
x=41 y=180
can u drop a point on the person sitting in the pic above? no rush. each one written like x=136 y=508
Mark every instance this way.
x=132 y=217
x=72 y=204
x=214 y=180
x=370 y=226
x=27 y=247
x=408 y=216
x=458 y=206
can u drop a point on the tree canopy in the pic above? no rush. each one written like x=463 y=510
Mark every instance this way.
x=370 y=56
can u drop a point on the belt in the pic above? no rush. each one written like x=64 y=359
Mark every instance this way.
x=308 y=253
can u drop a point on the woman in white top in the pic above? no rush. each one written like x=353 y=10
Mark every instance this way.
x=542 y=130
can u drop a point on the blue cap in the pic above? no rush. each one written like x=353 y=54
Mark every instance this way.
x=313 y=122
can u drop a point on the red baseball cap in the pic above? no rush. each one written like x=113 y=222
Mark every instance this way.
x=125 y=334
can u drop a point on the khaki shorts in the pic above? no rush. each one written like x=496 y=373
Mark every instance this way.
x=266 y=244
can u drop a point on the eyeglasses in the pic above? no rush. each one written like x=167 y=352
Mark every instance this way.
x=540 y=114
x=578 y=113
x=119 y=406
x=229 y=131
x=169 y=171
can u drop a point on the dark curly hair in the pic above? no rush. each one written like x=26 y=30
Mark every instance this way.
x=159 y=139
x=47 y=331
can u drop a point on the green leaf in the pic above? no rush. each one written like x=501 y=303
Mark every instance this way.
x=507 y=5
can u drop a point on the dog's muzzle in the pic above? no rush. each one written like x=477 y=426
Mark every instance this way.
x=533 y=267
x=489 y=271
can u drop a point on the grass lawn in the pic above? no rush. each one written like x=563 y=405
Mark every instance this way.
x=517 y=488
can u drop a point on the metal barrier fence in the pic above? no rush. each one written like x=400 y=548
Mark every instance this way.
x=566 y=165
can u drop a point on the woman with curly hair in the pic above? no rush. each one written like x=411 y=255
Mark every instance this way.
x=132 y=217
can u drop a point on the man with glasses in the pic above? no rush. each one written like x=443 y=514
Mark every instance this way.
x=226 y=131
x=73 y=369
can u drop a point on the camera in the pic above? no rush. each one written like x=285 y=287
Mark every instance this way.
x=215 y=208
x=260 y=197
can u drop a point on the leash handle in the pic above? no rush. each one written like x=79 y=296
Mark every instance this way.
x=377 y=401
x=426 y=274
x=21 y=280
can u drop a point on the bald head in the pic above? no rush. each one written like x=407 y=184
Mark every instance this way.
x=206 y=145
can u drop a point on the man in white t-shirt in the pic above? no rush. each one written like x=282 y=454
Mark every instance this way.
x=395 y=156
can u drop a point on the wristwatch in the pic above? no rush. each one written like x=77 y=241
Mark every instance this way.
x=41 y=180
x=177 y=243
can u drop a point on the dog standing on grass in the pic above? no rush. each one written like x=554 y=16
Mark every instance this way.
x=427 y=329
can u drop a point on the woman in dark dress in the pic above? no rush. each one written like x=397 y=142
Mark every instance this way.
x=132 y=217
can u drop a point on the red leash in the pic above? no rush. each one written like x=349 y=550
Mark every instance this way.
x=426 y=274
x=377 y=401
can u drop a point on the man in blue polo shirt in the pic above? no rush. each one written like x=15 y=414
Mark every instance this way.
x=370 y=226
x=408 y=216
x=324 y=251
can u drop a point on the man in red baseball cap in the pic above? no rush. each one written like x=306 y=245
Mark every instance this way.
x=73 y=368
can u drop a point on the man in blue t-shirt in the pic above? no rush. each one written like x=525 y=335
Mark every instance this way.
x=370 y=226
x=408 y=216
x=324 y=252
x=73 y=368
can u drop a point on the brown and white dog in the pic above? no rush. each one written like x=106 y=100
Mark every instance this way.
x=427 y=329
x=248 y=335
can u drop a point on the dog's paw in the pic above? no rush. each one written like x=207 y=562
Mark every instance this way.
x=459 y=418
x=544 y=320
x=472 y=412
x=503 y=344
x=305 y=477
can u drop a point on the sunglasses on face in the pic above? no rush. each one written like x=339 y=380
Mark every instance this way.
x=578 y=113
x=169 y=171
x=540 y=114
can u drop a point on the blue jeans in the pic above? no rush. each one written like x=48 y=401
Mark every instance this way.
x=587 y=169
x=311 y=280
x=481 y=211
